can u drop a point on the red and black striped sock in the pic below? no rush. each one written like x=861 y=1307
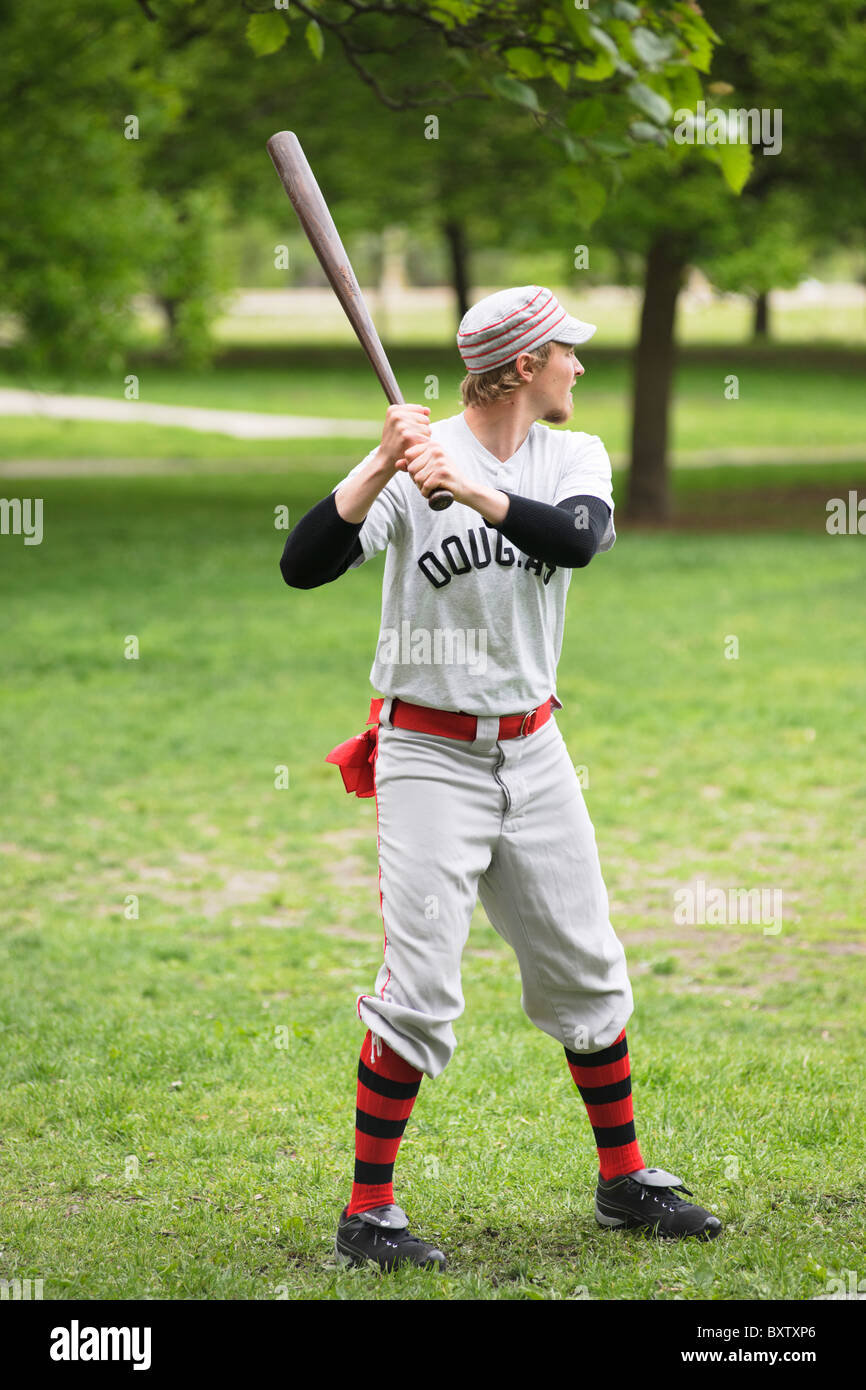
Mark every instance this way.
x=387 y=1087
x=604 y=1081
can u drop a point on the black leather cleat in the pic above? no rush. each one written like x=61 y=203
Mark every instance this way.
x=646 y=1199
x=382 y=1236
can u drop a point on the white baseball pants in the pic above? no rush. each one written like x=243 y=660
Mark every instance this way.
x=504 y=821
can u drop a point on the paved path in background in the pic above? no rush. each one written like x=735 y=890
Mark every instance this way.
x=247 y=424
x=240 y=424
x=132 y=467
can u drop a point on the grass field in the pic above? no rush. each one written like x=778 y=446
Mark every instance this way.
x=178 y=1086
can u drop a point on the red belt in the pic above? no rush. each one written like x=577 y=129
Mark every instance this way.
x=356 y=757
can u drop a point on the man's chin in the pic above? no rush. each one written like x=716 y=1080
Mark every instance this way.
x=558 y=416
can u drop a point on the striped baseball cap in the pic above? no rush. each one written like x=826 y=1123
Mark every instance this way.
x=499 y=327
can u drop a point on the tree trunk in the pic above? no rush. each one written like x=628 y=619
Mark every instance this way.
x=459 y=264
x=170 y=307
x=648 y=485
x=761 y=326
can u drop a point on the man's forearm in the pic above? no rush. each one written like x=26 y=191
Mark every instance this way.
x=492 y=504
x=355 y=497
x=568 y=534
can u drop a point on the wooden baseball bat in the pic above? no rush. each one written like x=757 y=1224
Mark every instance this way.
x=297 y=179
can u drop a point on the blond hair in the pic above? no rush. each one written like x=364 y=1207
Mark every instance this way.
x=483 y=388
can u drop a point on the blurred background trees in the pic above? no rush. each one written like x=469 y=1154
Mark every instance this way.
x=445 y=136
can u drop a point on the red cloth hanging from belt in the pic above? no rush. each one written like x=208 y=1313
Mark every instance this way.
x=357 y=756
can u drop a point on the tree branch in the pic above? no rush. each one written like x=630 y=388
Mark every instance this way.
x=351 y=51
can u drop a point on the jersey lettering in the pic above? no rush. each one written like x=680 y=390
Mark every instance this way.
x=459 y=562
x=458 y=545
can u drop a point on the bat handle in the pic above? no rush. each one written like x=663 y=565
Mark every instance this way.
x=437 y=501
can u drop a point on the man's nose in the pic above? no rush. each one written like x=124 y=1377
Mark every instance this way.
x=578 y=368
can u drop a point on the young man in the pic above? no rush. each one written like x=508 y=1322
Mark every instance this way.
x=476 y=794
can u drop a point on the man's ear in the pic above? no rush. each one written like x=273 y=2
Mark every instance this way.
x=524 y=364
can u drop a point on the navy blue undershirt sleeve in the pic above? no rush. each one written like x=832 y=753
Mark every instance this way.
x=320 y=547
x=323 y=544
x=567 y=535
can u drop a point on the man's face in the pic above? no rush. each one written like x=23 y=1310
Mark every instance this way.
x=551 y=386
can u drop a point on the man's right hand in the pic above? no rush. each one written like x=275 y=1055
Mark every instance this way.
x=405 y=425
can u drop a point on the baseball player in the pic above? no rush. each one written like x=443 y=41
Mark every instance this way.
x=476 y=794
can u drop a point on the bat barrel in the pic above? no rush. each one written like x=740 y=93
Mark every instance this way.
x=306 y=198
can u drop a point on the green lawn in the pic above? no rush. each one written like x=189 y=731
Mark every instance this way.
x=178 y=1086
x=787 y=398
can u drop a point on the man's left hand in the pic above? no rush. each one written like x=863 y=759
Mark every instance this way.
x=431 y=470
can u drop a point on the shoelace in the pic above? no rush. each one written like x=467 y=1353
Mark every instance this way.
x=655 y=1193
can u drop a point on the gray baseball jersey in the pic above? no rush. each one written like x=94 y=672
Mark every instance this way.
x=468 y=622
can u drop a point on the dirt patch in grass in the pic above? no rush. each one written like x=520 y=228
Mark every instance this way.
x=32 y=856
x=196 y=884
x=782 y=508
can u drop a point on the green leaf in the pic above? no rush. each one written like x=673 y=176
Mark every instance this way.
x=525 y=63
x=657 y=107
x=266 y=33
x=605 y=144
x=643 y=131
x=508 y=87
x=653 y=49
x=316 y=39
x=604 y=40
x=590 y=198
x=575 y=153
x=578 y=19
x=622 y=10
x=598 y=70
x=684 y=86
x=736 y=163
x=560 y=72
x=699 y=37
x=586 y=116
x=457 y=10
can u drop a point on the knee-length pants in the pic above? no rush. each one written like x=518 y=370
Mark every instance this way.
x=504 y=821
